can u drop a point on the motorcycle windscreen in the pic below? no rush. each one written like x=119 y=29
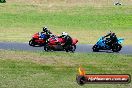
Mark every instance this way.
x=101 y=43
x=120 y=40
x=74 y=41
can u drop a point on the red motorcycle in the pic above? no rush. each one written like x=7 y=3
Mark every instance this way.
x=56 y=44
x=38 y=39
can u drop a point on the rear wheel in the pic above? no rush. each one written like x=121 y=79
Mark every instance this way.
x=47 y=48
x=95 y=48
x=116 y=47
x=71 y=48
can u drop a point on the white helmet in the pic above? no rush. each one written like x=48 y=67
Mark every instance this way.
x=64 y=33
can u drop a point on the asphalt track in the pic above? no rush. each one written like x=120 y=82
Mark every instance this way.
x=80 y=48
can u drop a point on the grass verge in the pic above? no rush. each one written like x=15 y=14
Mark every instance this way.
x=20 y=69
x=87 y=23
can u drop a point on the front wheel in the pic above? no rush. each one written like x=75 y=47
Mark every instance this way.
x=116 y=47
x=95 y=48
x=31 y=43
x=71 y=48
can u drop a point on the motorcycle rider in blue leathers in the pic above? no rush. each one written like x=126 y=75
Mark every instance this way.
x=46 y=32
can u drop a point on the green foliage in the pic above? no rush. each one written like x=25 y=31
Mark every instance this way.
x=2 y=1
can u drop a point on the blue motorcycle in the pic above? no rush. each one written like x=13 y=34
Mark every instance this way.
x=102 y=44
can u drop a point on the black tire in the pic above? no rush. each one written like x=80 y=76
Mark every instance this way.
x=116 y=47
x=47 y=48
x=95 y=48
x=67 y=50
x=73 y=48
x=31 y=43
x=81 y=80
x=2 y=1
x=70 y=48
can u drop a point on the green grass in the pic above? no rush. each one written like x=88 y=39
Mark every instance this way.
x=87 y=23
x=86 y=20
x=20 y=69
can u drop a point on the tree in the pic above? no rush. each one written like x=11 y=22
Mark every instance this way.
x=2 y=1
